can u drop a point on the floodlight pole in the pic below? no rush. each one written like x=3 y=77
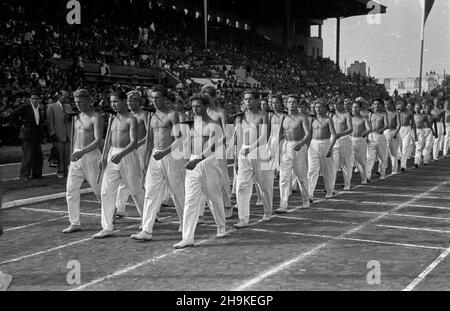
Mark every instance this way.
x=205 y=5
x=338 y=41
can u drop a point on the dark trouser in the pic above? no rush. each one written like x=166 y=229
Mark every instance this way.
x=63 y=156
x=32 y=159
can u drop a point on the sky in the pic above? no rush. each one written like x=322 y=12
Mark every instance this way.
x=391 y=47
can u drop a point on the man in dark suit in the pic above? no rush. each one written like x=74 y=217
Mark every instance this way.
x=31 y=136
x=59 y=129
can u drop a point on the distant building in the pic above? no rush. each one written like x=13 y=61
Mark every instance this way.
x=357 y=68
x=404 y=85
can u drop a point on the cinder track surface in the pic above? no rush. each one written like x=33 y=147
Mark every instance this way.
x=402 y=222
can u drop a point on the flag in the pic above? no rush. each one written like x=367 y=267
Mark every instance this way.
x=426 y=5
x=152 y=27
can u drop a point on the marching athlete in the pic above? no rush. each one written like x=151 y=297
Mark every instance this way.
x=122 y=164
x=166 y=165
x=321 y=149
x=203 y=173
x=342 y=150
x=294 y=154
x=87 y=137
x=134 y=102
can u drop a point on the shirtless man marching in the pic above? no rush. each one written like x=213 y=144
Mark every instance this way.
x=203 y=173
x=425 y=134
x=391 y=134
x=321 y=149
x=294 y=154
x=166 y=169
x=342 y=150
x=85 y=157
x=219 y=115
x=253 y=162
x=408 y=127
x=122 y=164
x=377 y=146
x=134 y=102
x=361 y=128
x=438 y=114
x=276 y=119
x=447 y=127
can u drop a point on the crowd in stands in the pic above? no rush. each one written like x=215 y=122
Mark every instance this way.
x=145 y=34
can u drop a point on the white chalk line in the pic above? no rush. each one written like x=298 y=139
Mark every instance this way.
x=337 y=238
x=389 y=204
x=278 y=268
x=355 y=223
x=427 y=270
x=150 y=261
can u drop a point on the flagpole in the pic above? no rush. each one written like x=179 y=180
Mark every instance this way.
x=205 y=4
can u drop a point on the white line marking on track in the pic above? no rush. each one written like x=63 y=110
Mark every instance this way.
x=428 y=270
x=389 y=204
x=355 y=223
x=323 y=209
x=17 y=178
x=337 y=238
x=34 y=224
x=394 y=195
x=285 y=265
x=10 y=164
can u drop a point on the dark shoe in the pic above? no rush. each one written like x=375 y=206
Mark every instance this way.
x=416 y=165
x=403 y=169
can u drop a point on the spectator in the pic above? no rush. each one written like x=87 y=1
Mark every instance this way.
x=31 y=136
x=59 y=129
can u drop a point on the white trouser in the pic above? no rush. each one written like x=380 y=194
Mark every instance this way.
x=318 y=161
x=252 y=168
x=225 y=182
x=128 y=170
x=274 y=149
x=202 y=184
x=376 y=148
x=85 y=168
x=296 y=161
x=123 y=194
x=426 y=153
x=438 y=143
x=392 y=149
x=447 y=139
x=167 y=173
x=342 y=157
x=405 y=144
x=359 y=155
x=420 y=146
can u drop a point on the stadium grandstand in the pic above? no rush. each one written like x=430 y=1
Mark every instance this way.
x=142 y=43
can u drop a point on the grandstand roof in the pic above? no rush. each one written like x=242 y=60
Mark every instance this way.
x=256 y=10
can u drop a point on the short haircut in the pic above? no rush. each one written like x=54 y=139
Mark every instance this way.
x=294 y=96
x=134 y=94
x=302 y=102
x=377 y=100
x=82 y=93
x=250 y=91
x=358 y=103
x=35 y=92
x=119 y=94
x=277 y=97
x=211 y=90
x=160 y=89
x=200 y=97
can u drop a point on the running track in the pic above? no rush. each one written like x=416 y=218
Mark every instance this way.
x=403 y=223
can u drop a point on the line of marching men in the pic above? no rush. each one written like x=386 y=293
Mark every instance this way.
x=150 y=155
